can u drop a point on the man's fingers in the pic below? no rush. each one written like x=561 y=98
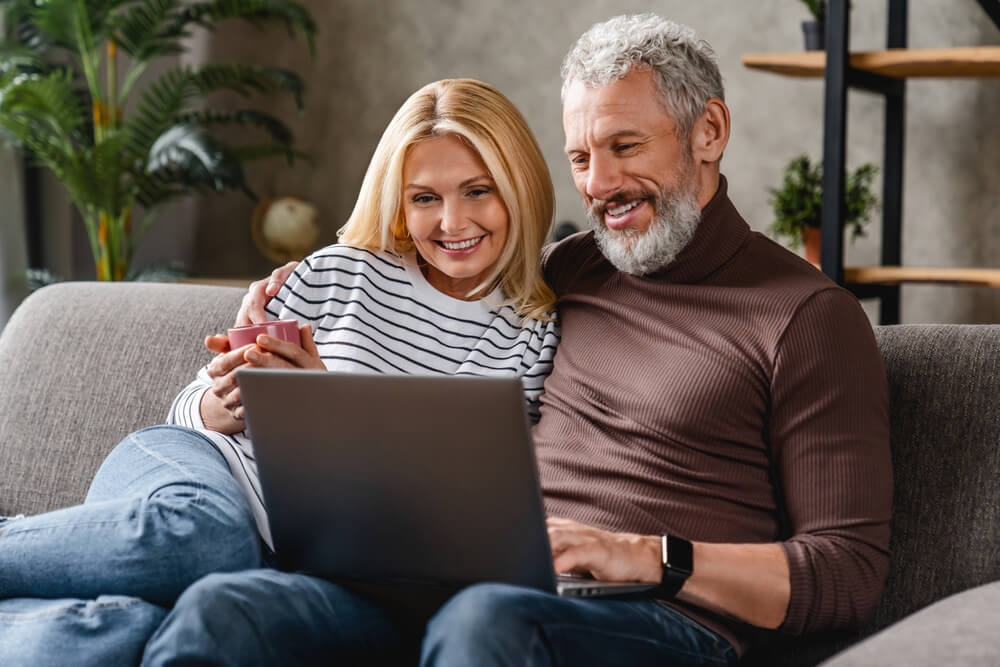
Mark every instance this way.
x=259 y=292
x=252 y=306
x=278 y=278
x=573 y=559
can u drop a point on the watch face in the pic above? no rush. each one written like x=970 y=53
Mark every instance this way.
x=679 y=556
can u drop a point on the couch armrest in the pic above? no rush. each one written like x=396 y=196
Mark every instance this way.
x=83 y=364
x=960 y=631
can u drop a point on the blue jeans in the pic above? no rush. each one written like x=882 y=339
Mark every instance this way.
x=89 y=583
x=293 y=619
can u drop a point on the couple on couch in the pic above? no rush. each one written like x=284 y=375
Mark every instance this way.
x=712 y=392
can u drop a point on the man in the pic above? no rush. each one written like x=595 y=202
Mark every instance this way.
x=716 y=406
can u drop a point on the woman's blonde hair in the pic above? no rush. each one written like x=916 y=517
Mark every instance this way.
x=485 y=119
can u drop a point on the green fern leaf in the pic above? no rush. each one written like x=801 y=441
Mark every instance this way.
x=247 y=79
x=258 y=12
x=149 y=30
x=244 y=117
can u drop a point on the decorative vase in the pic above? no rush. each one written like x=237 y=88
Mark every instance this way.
x=815 y=35
x=810 y=240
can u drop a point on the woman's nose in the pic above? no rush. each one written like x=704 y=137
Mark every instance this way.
x=453 y=218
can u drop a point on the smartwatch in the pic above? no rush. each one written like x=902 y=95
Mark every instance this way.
x=676 y=559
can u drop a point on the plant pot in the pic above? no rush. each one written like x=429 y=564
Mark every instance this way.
x=815 y=35
x=810 y=240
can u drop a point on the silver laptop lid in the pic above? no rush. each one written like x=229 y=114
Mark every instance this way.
x=423 y=479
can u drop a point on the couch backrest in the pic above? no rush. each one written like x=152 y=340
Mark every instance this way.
x=84 y=364
x=944 y=398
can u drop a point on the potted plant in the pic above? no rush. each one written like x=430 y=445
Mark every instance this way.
x=798 y=203
x=815 y=31
x=72 y=93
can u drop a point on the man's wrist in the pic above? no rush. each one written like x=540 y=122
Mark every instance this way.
x=652 y=571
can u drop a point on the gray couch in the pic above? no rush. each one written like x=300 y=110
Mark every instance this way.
x=83 y=364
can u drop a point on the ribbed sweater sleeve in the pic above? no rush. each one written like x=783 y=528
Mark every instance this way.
x=828 y=429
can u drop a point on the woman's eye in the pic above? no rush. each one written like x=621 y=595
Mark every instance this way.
x=479 y=192
x=423 y=199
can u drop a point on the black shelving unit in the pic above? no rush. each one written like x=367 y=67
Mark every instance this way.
x=839 y=77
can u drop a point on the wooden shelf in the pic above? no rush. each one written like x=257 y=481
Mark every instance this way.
x=977 y=61
x=894 y=275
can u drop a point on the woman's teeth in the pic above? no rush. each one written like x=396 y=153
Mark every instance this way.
x=460 y=245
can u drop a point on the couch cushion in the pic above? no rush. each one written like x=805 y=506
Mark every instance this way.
x=84 y=364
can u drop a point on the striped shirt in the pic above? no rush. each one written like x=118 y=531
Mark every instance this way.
x=374 y=312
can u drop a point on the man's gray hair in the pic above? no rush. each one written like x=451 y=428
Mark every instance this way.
x=685 y=67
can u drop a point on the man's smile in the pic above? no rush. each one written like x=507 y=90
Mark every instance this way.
x=621 y=214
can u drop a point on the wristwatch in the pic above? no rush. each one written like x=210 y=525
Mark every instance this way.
x=676 y=558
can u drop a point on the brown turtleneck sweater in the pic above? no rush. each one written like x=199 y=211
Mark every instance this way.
x=735 y=396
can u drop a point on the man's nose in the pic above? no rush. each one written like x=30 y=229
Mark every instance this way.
x=604 y=178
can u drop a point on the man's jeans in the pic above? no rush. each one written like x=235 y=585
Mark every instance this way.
x=292 y=619
x=88 y=584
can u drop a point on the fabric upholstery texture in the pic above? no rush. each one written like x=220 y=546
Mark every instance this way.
x=84 y=364
x=963 y=629
x=944 y=385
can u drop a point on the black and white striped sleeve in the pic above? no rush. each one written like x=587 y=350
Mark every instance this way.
x=533 y=378
x=186 y=408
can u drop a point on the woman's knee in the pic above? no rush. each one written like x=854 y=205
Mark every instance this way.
x=213 y=533
x=156 y=456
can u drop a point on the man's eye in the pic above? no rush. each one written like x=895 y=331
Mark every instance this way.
x=579 y=161
x=624 y=148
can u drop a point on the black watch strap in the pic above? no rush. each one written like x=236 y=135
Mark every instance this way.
x=677 y=561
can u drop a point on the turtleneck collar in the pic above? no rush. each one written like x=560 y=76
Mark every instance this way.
x=720 y=234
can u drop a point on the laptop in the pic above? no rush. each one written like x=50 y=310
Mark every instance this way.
x=425 y=481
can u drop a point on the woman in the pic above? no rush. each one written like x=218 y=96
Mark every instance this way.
x=437 y=272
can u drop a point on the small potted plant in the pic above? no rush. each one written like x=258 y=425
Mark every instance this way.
x=815 y=31
x=797 y=204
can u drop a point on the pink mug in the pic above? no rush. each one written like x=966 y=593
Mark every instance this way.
x=280 y=329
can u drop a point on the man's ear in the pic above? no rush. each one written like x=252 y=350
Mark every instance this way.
x=710 y=133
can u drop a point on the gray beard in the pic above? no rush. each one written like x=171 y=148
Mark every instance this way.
x=675 y=219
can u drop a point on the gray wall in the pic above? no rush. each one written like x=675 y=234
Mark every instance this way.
x=372 y=53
